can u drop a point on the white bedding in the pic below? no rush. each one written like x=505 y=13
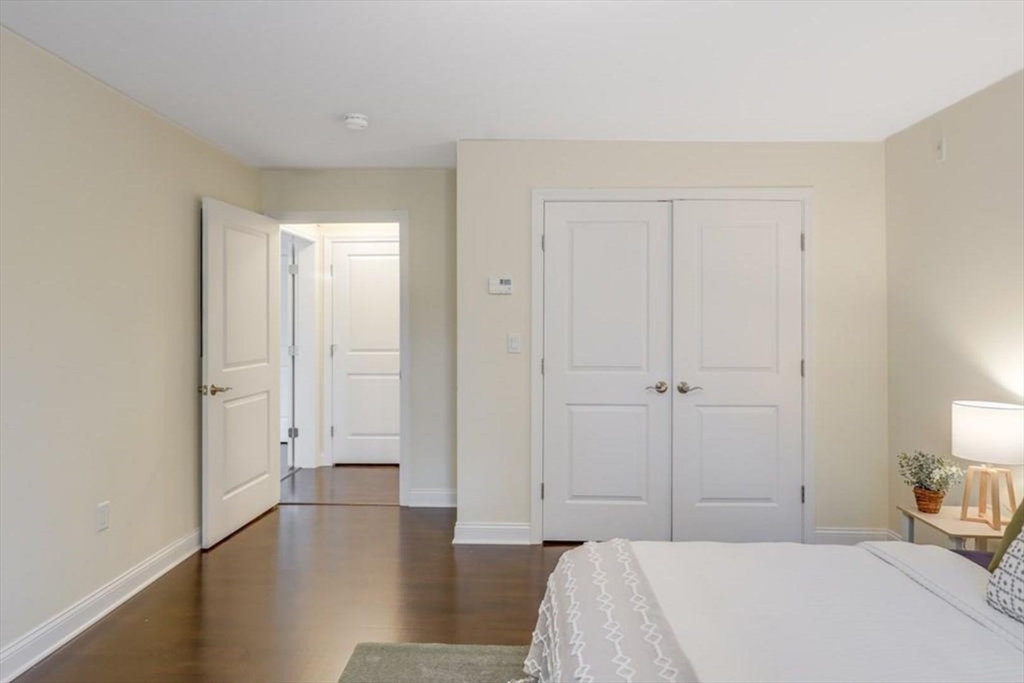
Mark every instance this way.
x=790 y=612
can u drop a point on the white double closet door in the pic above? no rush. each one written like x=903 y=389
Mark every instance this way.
x=673 y=392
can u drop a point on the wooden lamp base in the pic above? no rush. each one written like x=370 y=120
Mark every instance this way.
x=989 y=481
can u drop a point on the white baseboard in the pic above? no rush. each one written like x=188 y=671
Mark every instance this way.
x=369 y=459
x=838 y=535
x=475 y=533
x=431 y=498
x=498 y=533
x=27 y=650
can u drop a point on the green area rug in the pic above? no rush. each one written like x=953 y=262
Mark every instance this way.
x=433 y=663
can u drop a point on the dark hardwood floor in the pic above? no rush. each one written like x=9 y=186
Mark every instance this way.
x=342 y=485
x=288 y=598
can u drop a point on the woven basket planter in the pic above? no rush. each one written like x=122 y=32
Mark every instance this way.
x=928 y=501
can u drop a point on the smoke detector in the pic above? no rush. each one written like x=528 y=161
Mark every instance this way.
x=357 y=121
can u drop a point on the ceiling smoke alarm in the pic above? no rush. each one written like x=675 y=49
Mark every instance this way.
x=357 y=121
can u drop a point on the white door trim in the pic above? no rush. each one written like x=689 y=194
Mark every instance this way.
x=307 y=418
x=804 y=195
x=406 y=452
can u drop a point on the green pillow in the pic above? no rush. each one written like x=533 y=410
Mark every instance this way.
x=1012 y=532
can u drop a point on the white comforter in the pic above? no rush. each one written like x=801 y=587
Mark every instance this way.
x=789 y=612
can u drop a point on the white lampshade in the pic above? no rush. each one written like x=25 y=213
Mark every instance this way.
x=992 y=433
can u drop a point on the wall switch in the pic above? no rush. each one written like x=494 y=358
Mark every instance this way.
x=103 y=516
x=515 y=343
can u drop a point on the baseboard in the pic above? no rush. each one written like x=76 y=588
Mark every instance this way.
x=431 y=498
x=837 y=535
x=476 y=533
x=368 y=460
x=27 y=650
x=498 y=533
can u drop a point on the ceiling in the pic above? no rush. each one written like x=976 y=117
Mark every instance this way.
x=268 y=81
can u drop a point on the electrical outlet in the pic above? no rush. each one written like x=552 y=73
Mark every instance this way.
x=103 y=516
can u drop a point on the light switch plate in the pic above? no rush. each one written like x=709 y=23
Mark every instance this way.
x=103 y=516
x=515 y=342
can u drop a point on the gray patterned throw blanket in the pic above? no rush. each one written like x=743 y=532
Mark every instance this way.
x=620 y=634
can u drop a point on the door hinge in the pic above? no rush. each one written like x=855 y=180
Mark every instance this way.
x=333 y=347
x=332 y=430
x=803 y=494
x=332 y=270
x=542 y=246
x=293 y=268
x=803 y=368
x=293 y=432
x=292 y=351
x=803 y=242
x=542 y=366
x=542 y=490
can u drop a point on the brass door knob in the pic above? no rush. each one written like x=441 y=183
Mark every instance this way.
x=214 y=389
x=203 y=390
x=660 y=387
x=685 y=388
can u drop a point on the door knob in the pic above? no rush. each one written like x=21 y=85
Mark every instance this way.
x=685 y=388
x=214 y=389
x=660 y=387
x=204 y=390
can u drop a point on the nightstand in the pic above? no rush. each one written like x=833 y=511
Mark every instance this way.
x=947 y=521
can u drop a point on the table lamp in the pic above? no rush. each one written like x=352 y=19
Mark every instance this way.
x=993 y=434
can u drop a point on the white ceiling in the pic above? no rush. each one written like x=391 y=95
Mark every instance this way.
x=268 y=80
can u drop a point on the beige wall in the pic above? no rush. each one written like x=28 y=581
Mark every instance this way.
x=956 y=268
x=99 y=330
x=494 y=208
x=429 y=197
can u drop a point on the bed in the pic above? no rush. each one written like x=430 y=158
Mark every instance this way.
x=648 y=611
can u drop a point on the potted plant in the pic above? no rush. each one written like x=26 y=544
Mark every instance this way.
x=931 y=476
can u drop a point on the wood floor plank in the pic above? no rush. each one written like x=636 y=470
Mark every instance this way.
x=289 y=597
x=342 y=485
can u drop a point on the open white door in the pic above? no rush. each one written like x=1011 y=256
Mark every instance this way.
x=241 y=330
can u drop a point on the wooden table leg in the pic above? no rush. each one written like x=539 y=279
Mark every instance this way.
x=968 y=489
x=983 y=493
x=997 y=505
x=1009 y=489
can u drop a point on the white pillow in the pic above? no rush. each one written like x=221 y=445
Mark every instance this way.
x=1006 y=587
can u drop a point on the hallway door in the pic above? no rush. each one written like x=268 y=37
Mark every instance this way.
x=365 y=352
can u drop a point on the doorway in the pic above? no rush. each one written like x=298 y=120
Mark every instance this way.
x=265 y=395
x=362 y=307
x=671 y=380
